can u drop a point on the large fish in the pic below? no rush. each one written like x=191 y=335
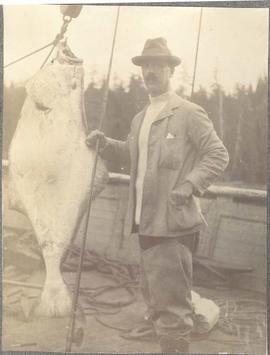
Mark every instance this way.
x=51 y=166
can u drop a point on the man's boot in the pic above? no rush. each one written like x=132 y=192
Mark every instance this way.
x=142 y=330
x=170 y=345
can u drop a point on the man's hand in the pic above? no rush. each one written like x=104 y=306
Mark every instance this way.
x=92 y=138
x=183 y=194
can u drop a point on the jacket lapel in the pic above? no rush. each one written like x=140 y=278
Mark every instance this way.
x=173 y=103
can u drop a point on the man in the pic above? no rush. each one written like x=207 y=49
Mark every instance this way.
x=175 y=155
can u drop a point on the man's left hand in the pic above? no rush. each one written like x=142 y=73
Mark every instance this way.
x=183 y=194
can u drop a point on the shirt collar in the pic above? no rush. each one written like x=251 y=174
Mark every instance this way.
x=161 y=98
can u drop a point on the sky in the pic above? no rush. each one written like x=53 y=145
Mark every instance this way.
x=233 y=44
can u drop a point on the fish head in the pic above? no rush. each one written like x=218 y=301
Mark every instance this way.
x=64 y=55
x=59 y=78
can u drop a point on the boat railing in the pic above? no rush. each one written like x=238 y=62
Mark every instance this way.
x=238 y=193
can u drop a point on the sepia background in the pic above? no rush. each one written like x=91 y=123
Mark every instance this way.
x=231 y=85
x=231 y=77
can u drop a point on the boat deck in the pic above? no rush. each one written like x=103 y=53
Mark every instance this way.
x=103 y=323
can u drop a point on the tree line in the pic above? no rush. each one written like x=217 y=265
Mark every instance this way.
x=240 y=119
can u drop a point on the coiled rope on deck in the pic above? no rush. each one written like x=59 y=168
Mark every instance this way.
x=245 y=319
x=125 y=278
x=242 y=319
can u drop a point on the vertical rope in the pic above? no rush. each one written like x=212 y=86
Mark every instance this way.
x=106 y=88
x=70 y=336
x=196 y=55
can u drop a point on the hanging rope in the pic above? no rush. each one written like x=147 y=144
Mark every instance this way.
x=197 y=52
x=59 y=36
x=71 y=329
x=28 y=55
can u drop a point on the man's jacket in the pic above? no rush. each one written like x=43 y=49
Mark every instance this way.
x=182 y=146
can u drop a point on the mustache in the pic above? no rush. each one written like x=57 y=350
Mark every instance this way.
x=151 y=77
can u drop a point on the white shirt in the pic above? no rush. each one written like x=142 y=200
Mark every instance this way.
x=155 y=107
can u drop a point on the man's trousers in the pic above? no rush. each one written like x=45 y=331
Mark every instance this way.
x=166 y=281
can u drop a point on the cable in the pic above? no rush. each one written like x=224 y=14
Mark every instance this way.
x=197 y=52
x=28 y=55
x=71 y=327
x=59 y=36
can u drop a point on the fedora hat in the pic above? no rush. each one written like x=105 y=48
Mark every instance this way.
x=156 y=49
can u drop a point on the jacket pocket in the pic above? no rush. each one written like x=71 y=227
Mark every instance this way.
x=184 y=217
x=170 y=153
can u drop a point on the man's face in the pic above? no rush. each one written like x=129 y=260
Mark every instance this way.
x=156 y=76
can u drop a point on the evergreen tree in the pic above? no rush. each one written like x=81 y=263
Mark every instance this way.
x=240 y=118
x=14 y=97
